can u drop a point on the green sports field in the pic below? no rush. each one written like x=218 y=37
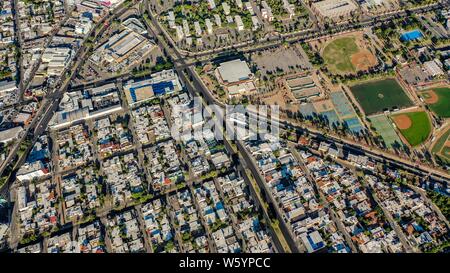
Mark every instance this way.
x=440 y=150
x=384 y=127
x=419 y=130
x=337 y=55
x=442 y=107
x=380 y=95
x=446 y=153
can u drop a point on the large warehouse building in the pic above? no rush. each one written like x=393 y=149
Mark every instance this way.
x=334 y=9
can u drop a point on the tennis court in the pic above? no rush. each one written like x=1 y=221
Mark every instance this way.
x=345 y=111
x=331 y=116
x=307 y=110
x=343 y=105
x=353 y=124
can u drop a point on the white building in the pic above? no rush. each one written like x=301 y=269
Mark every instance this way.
x=239 y=24
x=334 y=9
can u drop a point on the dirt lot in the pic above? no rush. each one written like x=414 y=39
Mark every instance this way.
x=283 y=98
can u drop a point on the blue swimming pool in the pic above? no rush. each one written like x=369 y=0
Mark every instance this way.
x=411 y=35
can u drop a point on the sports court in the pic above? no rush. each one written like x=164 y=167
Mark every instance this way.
x=307 y=110
x=384 y=127
x=331 y=116
x=441 y=148
x=345 y=111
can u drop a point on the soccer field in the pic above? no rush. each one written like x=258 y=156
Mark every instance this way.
x=440 y=148
x=384 y=127
x=380 y=95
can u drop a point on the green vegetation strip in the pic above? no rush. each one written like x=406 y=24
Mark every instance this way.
x=442 y=201
x=275 y=224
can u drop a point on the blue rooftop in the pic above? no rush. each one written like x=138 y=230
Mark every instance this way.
x=219 y=206
x=411 y=35
x=315 y=246
x=159 y=89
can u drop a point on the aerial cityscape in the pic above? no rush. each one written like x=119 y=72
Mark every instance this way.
x=225 y=126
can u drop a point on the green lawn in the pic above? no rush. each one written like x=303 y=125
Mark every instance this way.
x=337 y=55
x=440 y=142
x=420 y=129
x=439 y=145
x=380 y=95
x=446 y=152
x=384 y=127
x=442 y=107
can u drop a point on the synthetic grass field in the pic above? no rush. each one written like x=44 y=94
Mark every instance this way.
x=380 y=95
x=384 y=127
x=439 y=105
x=441 y=148
x=414 y=126
x=446 y=153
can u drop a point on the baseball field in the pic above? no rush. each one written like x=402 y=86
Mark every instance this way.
x=414 y=126
x=344 y=55
x=438 y=99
